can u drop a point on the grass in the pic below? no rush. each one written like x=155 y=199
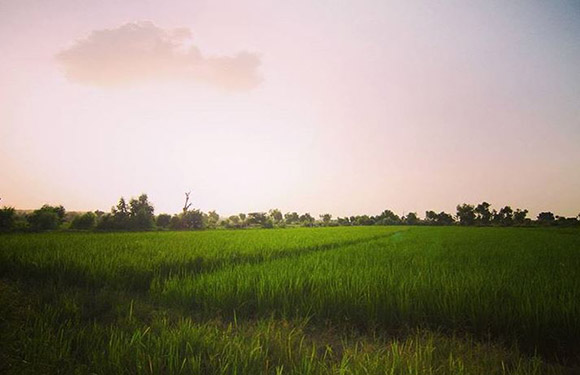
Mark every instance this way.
x=514 y=285
x=361 y=300
x=132 y=260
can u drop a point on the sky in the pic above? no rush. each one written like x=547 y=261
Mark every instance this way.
x=341 y=107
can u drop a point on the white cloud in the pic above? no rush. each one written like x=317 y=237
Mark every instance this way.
x=139 y=52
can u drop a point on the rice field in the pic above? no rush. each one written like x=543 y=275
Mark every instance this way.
x=345 y=300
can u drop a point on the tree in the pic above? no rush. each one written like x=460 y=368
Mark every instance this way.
x=546 y=218
x=163 y=220
x=411 y=219
x=192 y=219
x=326 y=219
x=442 y=218
x=466 y=214
x=212 y=219
x=482 y=213
x=276 y=216
x=137 y=215
x=291 y=217
x=186 y=205
x=47 y=218
x=363 y=220
x=268 y=223
x=175 y=222
x=566 y=221
x=85 y=221
x=120 y=217
x=388 y=217
x=430 y=217
x=520 y=216
x=257 y=218
x=7 y=218
x=234 y=221
x=141 y=213
x=106 y=222
x=306 y=220
x=504 y=216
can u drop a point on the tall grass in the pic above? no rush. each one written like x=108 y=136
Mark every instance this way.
x=55 y=340
x=519 y=285
x=132 y=260
x=299 y=301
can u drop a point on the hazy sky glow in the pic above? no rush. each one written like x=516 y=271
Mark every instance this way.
x=346 y=107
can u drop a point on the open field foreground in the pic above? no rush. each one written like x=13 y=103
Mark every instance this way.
x=347 y=300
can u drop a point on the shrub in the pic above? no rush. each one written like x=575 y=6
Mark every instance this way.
x=7 y=218
x=163 y=220
x=85 y=221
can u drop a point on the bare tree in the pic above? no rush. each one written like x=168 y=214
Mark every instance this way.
x=187 y=204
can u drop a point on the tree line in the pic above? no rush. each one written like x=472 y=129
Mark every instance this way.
x=139 y=215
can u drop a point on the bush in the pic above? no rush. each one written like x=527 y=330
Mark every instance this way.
x=85 y=221
x=163 y=221
x=268 y=224
x=175 y=222
x=7 y=218
x=44 y=219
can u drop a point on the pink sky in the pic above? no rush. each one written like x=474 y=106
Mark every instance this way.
x=327 y=106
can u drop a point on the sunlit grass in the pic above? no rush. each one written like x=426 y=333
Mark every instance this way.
x=132 y=260
x=518 y=285
x=378 y=300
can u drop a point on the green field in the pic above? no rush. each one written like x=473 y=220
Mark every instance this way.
x=346 y=300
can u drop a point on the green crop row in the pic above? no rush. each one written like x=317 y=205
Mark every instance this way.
x=54 y=338
x=518 y=285
x=132 y=260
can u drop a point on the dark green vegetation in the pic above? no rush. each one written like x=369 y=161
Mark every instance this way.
x=348 y=300
x=138 y=215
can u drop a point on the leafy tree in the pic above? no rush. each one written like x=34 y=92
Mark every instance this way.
x=326 y=218
x=363 y=220
x=137 y=215
x=442 y=218
x=411 y=219
x=106 y=222
x=212 y=219
x=504 y=216
x=192 y=219
x=520 y=217
x=466 y=214
x=387 y=217
x=430 y=217
x=291 y=218
x=7 y=218
x=163 y=220
x=120 y=217
x=566 y=221
x=482 y=214
x=47 y=218
x=175 y=222
x=268 y=223
x=276 y=216
x=546 y=218
x=141 y=213
x=85 y=221
x=235 y=221
x=306 y=220
x=257 y=218
x=343 y=221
